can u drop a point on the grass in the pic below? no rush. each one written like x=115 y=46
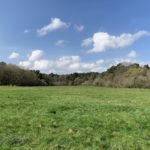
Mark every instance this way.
x=74 y=118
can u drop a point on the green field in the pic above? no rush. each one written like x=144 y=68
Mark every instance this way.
x=74 y=118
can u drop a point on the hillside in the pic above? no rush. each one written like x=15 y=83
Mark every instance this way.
x=121 y=75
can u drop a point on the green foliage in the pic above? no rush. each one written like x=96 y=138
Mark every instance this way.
x=13 y=75
x=122 y=75
x=52 y=118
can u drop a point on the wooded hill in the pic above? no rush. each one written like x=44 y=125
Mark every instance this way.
x=121 y=75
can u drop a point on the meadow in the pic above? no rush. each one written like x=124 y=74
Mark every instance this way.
x=74 y=118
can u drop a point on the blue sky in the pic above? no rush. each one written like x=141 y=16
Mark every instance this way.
x=65 y=36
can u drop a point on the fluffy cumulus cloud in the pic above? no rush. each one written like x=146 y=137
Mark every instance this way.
x=102 y=41
x=132 y=54
x=42 y=64
x=79 y=28
x=65 y=64
x=129 y=59
x=35 y=61
x=71 y=64
x=55 y=24
x=25 y=64
x=65 y=61
x=35 y=55
x=87 y=42
x=14 y=55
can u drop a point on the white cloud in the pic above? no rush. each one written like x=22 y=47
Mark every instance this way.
x=79 y=28
x=129 y=59
x=34 y=60
x=102 y=41
x=55 y=24
x=65 y=64
x=65 y=61
x=71 y=64
x=42 y=65
x=36 y=55
x=132 y=54
x=86 y=66
x=124 y=61
x=14 y=55
x=26 y=31
x=60 y=43
x=25 y=64
x=87 y=42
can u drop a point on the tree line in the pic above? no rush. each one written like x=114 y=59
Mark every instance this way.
x=121 y=75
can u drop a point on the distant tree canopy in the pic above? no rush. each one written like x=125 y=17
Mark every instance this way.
x=121 y=75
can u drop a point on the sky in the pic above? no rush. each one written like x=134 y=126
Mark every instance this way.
x=66 y=36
